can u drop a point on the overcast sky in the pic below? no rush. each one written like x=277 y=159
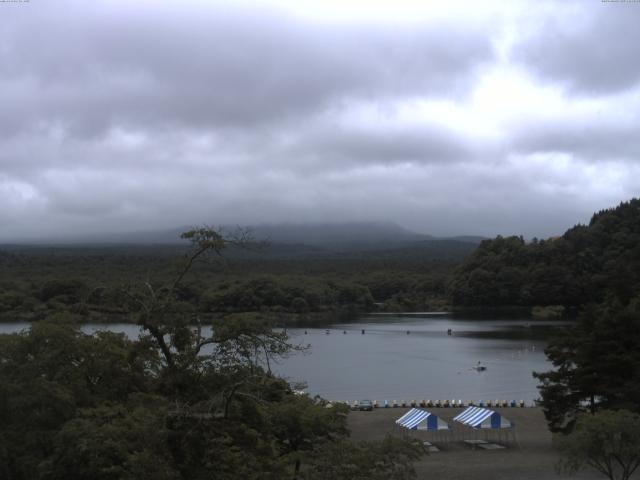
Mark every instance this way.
x=445 y=117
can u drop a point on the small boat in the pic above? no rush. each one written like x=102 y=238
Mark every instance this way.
x=479 y=367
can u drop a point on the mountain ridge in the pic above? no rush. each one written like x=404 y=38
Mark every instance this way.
x=344 y=235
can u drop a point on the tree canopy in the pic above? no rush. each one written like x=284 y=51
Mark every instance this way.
x=608 y=441
x=586 y=264
x=596 y=365
x=188 y=399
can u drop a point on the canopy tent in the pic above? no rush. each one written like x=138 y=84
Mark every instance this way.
x=416 y=419
x=477 y=417
x=491 y=423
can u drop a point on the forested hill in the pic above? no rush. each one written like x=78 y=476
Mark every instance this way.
x=299 y=282
x=586 y=264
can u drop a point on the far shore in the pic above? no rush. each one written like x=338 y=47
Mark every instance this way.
x=534 y=458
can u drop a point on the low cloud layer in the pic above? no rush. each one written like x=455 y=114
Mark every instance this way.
x=120 y=116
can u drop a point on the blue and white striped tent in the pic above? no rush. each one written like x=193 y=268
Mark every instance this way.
x=477 y=417
x=416 y=419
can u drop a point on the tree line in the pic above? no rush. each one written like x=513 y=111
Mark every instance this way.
x=39 y=282
x=586 y=264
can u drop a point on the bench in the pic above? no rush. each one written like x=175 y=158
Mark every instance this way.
x=475 y=443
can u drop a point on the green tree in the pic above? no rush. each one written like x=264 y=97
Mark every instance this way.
x=596 y=365
x=608 y=441
x=586 y=264
x=114 y=442
x=391 y=459
x=52 y=372
x=189 y=399
x=301 y=424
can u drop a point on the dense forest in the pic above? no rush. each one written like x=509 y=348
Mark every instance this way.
x=307 y=284
x=104 y=407
x=586 y=264
x=298 y=283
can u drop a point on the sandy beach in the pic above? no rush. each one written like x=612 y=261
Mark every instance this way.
x=533 y=458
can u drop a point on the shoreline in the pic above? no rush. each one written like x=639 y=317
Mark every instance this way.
x=511 y=404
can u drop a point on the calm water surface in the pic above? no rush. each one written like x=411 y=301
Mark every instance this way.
x=387 y=363
x=426 y=363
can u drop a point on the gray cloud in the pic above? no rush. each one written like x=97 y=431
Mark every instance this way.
x=328 y=146
x=590 y=141
x=592 y=49
x=222 y=66
x=117 y=116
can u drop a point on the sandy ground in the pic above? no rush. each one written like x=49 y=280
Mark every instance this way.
x=533 y=458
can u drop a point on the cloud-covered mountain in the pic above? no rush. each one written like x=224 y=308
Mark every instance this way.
x=287 y=237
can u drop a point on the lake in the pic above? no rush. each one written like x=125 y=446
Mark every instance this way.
x=410 y=358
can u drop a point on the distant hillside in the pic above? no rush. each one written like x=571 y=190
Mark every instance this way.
x=338 y=235
x=586 y=264
x=300 y=237
x=329 y=235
